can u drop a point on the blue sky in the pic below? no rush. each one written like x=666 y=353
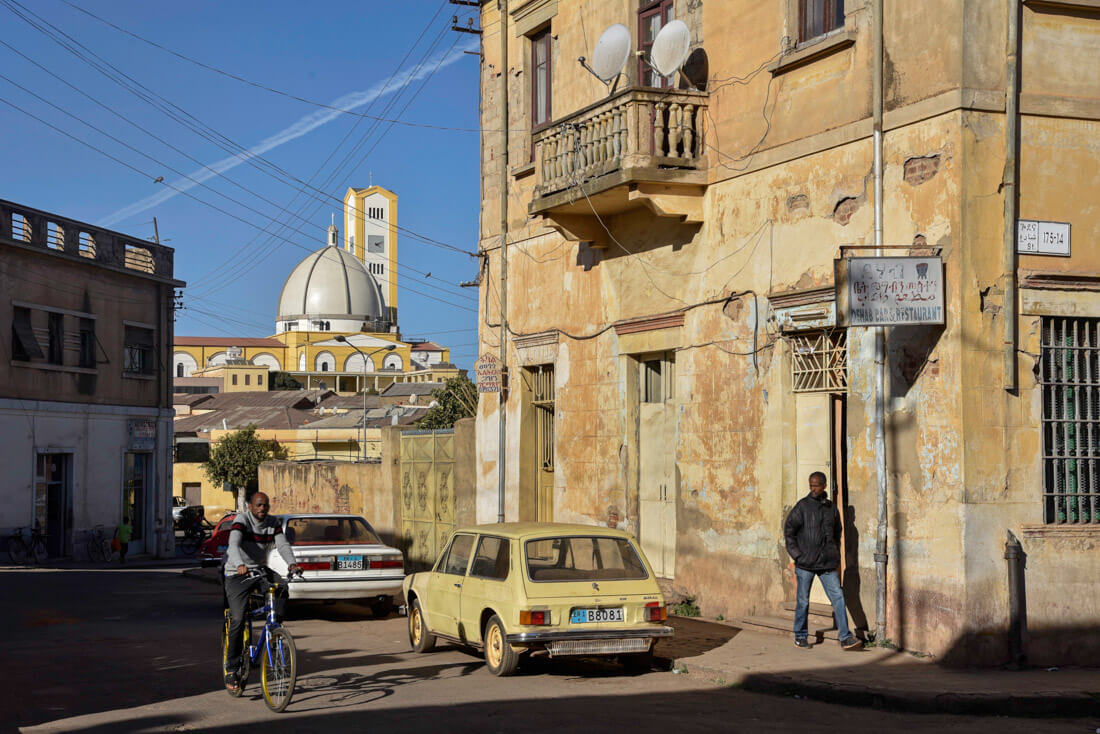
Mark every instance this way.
x=350 y=56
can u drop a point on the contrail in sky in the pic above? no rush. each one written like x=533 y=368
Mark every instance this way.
x=310 y=122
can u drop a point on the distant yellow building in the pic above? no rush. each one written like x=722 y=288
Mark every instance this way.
x=336 y=325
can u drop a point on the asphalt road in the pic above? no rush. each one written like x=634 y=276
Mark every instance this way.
x=118 y=650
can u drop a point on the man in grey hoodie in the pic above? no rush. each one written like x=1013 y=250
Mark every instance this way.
x=250 y=538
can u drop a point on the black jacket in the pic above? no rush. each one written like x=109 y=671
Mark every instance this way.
x=812 y=532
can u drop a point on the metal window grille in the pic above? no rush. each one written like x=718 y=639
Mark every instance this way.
x=1070 y=379
x=820 y=361
x=542 y=378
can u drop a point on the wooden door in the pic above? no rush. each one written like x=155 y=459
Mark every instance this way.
x=657 y=491
x=814 y=451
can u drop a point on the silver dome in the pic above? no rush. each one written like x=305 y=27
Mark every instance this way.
x=330 y=283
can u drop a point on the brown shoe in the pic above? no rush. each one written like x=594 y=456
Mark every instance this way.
x=852 y=643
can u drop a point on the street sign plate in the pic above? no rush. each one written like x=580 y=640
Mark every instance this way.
x=1035 y=237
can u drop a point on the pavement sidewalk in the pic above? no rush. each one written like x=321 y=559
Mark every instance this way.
x=132 y=562
x=877 y=677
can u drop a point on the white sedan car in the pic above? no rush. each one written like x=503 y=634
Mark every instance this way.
x=341 y=558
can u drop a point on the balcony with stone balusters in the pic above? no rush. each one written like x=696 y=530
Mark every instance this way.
x=637 y=149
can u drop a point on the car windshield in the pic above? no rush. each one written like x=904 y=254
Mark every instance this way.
x=589 y=558
x=330 y=531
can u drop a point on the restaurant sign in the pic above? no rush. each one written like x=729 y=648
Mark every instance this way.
x=895 y=291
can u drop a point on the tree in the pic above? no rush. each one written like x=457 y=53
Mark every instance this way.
x=282 y=381
x=455 y=400
x=236 y=458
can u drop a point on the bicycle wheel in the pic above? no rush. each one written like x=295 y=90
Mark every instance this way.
x=95 y=550
x=38 y=545
x=190 y=543
x=16 y=550
x=279 y=669
x=108 y=552
x=225 y=657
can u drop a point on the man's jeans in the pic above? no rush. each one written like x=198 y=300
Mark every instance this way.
x=237 y=590
x=830 y=581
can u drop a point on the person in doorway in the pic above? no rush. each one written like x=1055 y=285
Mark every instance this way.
x=812 y=532
x=123 y=533
x=251 y=536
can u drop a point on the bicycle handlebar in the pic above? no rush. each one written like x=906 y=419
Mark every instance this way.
x=261 y=572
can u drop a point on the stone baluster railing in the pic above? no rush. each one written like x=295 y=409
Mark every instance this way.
x=636 y=127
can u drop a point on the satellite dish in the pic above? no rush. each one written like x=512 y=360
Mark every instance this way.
x=611 y=52
x=670 y=48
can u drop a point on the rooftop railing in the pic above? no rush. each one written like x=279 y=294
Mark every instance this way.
x=36 y=228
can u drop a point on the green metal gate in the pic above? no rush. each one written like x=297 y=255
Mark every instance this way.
x=427 y=494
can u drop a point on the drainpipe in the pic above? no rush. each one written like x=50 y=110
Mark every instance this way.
x=502 y=6
x=880 y=340
x=1017 y=612
x=1012 y=94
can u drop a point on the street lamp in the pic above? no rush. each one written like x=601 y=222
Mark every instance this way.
x=366 y=360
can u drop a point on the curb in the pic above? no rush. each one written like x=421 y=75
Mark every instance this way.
x=1039 y=704
x=199 y=574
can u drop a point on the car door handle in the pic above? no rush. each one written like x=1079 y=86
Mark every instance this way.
x=458 y=586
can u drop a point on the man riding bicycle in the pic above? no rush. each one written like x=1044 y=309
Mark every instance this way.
x=250 y=538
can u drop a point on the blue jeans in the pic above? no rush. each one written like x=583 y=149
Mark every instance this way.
x=830 y=581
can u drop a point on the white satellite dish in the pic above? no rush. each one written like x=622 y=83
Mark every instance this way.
x=611 y=52
x=670 y=48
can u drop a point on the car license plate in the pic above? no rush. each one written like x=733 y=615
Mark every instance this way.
x=349 y=563
x=222 y=549
x=585 y=616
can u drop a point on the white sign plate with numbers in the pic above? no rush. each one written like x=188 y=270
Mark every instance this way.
x=1034 y=237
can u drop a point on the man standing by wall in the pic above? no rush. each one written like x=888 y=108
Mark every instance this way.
x=812 y=532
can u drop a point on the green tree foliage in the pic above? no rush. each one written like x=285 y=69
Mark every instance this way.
x=457 y=399
x=236 y=459
x=282 y=381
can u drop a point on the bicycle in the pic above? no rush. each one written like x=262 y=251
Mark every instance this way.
x=275 y=646
x=27 y=544
x=99 y=546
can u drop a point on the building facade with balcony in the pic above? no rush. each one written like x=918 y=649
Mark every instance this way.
x=85 y=388
x=676 y=351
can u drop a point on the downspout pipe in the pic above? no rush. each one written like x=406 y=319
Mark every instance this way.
x=880 y=337
x=1011 y=191
x=502 y=455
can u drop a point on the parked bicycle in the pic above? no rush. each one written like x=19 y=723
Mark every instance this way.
x=274 y=650
x=27 y=545
x=196 y=529
x=100 y=548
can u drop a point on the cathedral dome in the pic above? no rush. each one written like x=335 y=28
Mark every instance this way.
x=330 y=283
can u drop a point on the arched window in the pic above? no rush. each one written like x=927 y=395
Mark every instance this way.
x=324 y=366
x=179 y=369
x=324 y=362
x=302 y=362
x=392 y=362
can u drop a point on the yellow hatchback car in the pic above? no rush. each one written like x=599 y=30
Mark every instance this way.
x=542 y=588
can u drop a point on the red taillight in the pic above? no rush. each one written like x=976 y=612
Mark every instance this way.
x=315 y=565
x=655 y=612
x=541 y=617
x=387 y=563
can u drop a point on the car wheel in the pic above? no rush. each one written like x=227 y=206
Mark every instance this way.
x=419 y=637
x=381 y=608
x=500 y=658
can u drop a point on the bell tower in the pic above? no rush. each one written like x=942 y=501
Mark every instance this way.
x=370 y=233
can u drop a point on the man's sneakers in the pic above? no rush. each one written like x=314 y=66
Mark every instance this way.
x=851 y=643
x=801 y=643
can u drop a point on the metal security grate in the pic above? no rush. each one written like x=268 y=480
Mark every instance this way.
x=543 y=399
x=820 y=361
x=1070 y=377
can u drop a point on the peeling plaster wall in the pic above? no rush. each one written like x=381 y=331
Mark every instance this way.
x=963 y=456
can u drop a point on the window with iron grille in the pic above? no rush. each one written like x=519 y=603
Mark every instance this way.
x=542 y=397
x=819 y=361
x=818 y=17
x=1070 y=379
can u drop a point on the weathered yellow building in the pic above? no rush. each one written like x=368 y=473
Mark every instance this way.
x=336 y=325
x=674 y=343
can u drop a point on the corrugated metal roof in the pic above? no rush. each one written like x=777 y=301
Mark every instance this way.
x=404 y=389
